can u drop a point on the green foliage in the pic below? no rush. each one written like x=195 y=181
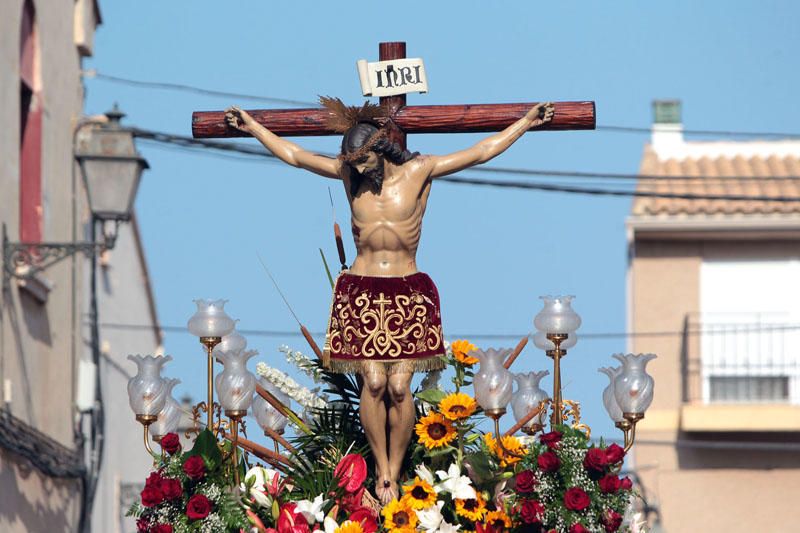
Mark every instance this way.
x=206 y=446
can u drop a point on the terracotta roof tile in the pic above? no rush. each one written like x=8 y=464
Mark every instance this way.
x=767 y=173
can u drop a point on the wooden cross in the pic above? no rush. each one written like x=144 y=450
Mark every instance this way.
x=402 y=119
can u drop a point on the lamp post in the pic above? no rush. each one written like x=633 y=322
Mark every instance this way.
x=111 y=169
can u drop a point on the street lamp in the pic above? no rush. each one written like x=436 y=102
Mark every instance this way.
x=111 y=170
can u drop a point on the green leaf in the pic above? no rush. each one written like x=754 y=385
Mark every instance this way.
x=431 y=396
x=206 y=446
x=480 y=465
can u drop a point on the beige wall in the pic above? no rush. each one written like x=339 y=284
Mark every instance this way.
x=38 y=344
x=698 y=486
x=41 y=343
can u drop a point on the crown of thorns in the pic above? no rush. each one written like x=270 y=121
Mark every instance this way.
x=341 y=118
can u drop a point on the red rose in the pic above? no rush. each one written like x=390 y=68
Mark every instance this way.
x=578 y=528
x=626 y=483
x=171 y=488
x=551 y=439
x=142 y=525
x=195 y=467
x=365 y=517
x=614 y=454
x=595 y=460
x=532 y=512
x=152 y=496
x=611 y=520
x=170 y=443
x=526 y=481
x=576 y=500
x=290 y=521
x=548 y=462
x=153 y=480
x=609 y=483
x=351 y=472
x=161 y=528
x=198 y=507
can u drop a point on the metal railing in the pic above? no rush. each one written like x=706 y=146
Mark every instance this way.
x=741 y=358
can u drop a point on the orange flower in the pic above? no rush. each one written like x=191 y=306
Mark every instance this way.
x=499 y=520
x=435 y=431
x=461 y=350
x=472 y=509
x=457 y=406
x=510 y=443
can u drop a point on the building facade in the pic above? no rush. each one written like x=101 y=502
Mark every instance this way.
x=712 y=289
x=48 y=376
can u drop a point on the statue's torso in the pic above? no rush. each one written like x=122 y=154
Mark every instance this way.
x=387 y=224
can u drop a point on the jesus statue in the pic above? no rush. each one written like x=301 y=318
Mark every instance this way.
x=385 y=321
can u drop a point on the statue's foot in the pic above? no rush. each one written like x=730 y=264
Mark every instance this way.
x=386 y=491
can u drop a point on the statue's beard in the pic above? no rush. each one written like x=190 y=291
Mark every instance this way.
x=373 y=177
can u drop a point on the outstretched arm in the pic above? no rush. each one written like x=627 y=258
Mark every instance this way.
x=491 y=146
x=286 y=151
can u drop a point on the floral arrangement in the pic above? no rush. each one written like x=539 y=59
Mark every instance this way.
x=190 y=491
x=456 y=477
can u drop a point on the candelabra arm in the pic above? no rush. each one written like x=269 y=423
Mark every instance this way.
x=210 y=343
x=496 y=417
x=556 y=355
x=630 y=435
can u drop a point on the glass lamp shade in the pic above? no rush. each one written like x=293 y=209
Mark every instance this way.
x=235 y=384
x=170 y=416
x=111 y=168
x=147 y=390
x=541 y=341
x=528 y=397
x=633 y=387
x=609 y=400
x=210 y=320
x=493 y=383
x=557 y=315
x=111 y=184
x=267 y=416
x=232 y=342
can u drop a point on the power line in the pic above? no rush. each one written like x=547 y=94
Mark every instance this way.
x=189 y=142
x=94 y=74
x=189 y=88
x=745 y=328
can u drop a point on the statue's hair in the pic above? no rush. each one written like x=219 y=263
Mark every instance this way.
x=367 y=137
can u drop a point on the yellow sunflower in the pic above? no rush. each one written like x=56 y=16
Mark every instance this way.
x=435 y=431
x=499 y=520
x=399 y=517
x=349 y=527
x=461 y=351
x=457 y=406
x=472 y=509
x=510 y=443
x=419 y=494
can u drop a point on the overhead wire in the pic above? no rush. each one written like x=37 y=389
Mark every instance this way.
x=241 y=148
x=95 y=74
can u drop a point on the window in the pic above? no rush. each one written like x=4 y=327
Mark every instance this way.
x=30 y=156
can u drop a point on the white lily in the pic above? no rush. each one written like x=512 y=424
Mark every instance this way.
x=446 y=527
x=427 y=476
x=258 y=492
x=312 y=511
x=430 y=518
x=457 y=485
x=330 y=525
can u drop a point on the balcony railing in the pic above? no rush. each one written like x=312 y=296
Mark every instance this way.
x=741 y=358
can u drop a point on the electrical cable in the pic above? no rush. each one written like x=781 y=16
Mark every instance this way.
x=184 y=141
x=582 y=336
x=94 y=74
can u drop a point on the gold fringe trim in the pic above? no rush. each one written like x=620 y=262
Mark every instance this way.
x=349 y=366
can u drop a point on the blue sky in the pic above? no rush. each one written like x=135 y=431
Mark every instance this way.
x=490 y=251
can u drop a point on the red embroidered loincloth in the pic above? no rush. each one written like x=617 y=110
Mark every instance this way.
x=395 y=322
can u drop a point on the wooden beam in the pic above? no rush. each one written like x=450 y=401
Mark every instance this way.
x=468 y=118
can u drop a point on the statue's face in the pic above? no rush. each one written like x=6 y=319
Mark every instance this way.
x=370 y=162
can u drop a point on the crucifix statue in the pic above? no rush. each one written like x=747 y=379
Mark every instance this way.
x=385 y=321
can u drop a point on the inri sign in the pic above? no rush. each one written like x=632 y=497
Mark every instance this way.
x=388 y=78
